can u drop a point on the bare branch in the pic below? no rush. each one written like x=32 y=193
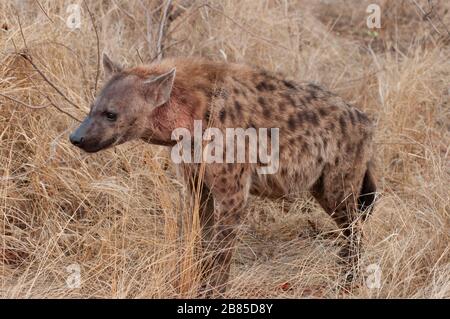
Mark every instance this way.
x=267 y=40
x=139 y=56
x=161 y=30
x=426 y=16
x=42 y=9
x=39 y=107
x=98 y=46
x=430 y=3
x=27 y=58
x=61 y=110
x=52 y=103
x=167 y=47
x=23 y=103
x=149 y=35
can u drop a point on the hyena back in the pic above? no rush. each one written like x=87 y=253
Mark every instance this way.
x=325 y=143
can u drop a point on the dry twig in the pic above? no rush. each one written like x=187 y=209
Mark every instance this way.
x=91 y=16
x=42 y=9
x=161 y=30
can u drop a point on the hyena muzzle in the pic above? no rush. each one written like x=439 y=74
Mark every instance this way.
x=325 y=144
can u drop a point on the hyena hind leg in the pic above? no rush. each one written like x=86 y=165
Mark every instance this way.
x=367 y=196
x=343 y=194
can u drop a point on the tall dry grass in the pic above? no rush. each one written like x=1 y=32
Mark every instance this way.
x=119 y=215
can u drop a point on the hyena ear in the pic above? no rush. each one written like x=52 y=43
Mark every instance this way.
x=109 y=66
x=157 y=89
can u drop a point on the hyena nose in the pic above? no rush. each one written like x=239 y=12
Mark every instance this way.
x=76 y=140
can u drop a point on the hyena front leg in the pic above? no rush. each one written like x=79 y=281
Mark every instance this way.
x=200 y=197
x=206 y=215
x=230 y=188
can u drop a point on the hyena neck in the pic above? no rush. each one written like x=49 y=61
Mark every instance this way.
x=180 y=112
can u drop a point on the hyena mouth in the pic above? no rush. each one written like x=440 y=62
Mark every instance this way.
x=96 y=146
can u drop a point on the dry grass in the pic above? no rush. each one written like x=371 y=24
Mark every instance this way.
x=118 y=214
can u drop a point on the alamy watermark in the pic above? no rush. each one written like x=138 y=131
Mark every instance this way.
x=231 y=148
x=374 y=19
x=373 y=279
x=73 y=281
x=73 y=21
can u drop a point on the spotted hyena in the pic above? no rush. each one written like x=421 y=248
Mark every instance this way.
x=325 y=143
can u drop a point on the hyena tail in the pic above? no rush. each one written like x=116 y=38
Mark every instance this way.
x=367 y=196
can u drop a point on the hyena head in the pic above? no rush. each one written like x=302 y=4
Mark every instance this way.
x=122 y=109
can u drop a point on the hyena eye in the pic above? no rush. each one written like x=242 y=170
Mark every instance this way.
x=110 y=116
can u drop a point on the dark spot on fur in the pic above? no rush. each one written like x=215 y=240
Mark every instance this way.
x=133 y=121
x=207 y=115
x=264 y=86
x=343 y=124
x=291 y=122
x=333 y=108
x=305 y=147
x=311 y=117
x=359 y=148
x=238 y=106
x=282 y=106
x=313 y=95
x=302 y=101
x=349 y=148
x=315 y=87
x=222 y=115
x=330 y=126
x=323 y=111
x=289 y=84
x=352 y=117
x=300 y=118
x=262 y=101
x=362 y=117
x=183 y=100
